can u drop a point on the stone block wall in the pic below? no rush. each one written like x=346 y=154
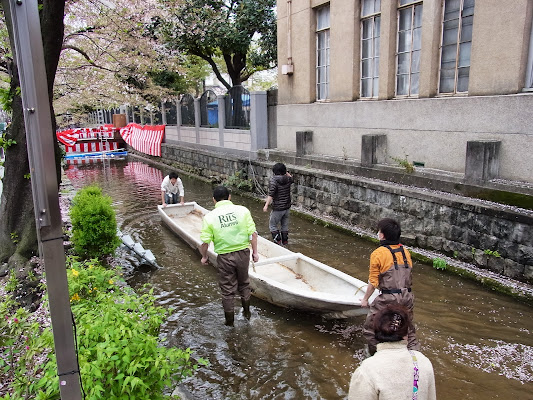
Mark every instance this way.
x=492 y=236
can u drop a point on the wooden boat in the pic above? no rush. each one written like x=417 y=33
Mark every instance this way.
x=281 y=277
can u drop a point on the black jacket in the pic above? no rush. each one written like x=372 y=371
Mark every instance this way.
x=280 y=191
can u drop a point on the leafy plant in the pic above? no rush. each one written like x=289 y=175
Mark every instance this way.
x=94 y=226
x=12 y=282
x=493 y=253
x=7 y=95
x=439 y=263
x=405 y=163
x=120 y=354
x=6 y=143
x=22 y=339
x=239 y=181
x=14 y=237
x=27 y=176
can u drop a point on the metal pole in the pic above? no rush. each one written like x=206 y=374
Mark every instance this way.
x=40 y=141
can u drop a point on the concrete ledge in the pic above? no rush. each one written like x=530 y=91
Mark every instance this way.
x=424 y=178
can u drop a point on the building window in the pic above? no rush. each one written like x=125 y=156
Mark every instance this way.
x=370 y=25
x=529 y=74
x=322 y=53
x=409 y=43
x=456 y=44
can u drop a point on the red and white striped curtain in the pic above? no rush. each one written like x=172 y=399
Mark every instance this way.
x=145 y=139
x=69 y=137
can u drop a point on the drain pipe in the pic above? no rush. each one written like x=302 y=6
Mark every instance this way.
x=288 y=69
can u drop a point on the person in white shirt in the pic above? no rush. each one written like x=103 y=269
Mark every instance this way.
x=171 y=188
x=394 y=372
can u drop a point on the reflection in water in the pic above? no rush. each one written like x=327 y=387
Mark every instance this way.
x=480 y=342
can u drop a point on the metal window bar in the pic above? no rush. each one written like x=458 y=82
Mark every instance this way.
x=237 y=102
x=187 y=110
x=208 y=109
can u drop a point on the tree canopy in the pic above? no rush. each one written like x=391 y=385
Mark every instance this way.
x=242 y=32
x=110 y=57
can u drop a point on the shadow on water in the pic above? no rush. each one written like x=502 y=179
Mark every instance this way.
x=480 y=342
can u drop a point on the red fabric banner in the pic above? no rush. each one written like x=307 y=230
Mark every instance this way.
x=69 y=137
x=145 y=139
x=92 y=146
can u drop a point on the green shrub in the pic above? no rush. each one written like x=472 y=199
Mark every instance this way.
x=94 y=226
x=439 y=263
x=238 y=180
x=120 y=354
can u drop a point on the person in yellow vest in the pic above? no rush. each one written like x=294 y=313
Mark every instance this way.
x=391 y=273
x=231 y=228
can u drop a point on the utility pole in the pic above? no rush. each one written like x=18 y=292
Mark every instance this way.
x=37 y=119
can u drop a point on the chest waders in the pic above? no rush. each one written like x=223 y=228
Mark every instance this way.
x=395 y=287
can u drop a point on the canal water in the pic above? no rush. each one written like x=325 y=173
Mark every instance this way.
x=480 y=342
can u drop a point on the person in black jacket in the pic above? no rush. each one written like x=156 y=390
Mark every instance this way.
x=279 y=195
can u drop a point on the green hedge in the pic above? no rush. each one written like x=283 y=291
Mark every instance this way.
x=94 y=227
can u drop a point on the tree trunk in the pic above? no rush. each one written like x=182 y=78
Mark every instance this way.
x=18 y=235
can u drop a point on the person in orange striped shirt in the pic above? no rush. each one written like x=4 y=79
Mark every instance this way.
x=391 y=273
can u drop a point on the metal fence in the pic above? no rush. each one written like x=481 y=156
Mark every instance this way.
x=171 y=112
x=187 y=110
x=238 y=108
x=209 y=109
x=156 y=116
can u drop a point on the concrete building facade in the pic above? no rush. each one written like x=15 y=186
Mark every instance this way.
x=433 y=76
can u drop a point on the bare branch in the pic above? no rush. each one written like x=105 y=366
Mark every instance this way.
x=86 y=56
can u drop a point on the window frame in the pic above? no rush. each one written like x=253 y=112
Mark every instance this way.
x=408 y=4
x=327 y=48
x=528 y=87
x=458 y=45
x=372 y=16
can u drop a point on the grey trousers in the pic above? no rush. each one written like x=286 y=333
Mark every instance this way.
x=233 y=277
x=279 y=218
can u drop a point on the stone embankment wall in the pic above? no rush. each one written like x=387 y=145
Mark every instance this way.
x=489 y=235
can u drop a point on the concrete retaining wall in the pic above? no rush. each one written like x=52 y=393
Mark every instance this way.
x=489 y=235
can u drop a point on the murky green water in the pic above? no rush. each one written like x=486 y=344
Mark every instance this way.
x=480 y=342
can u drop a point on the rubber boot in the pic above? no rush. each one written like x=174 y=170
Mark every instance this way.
x=284 y=238
x=246 y=308
x=230 y=318
x=276 y=237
